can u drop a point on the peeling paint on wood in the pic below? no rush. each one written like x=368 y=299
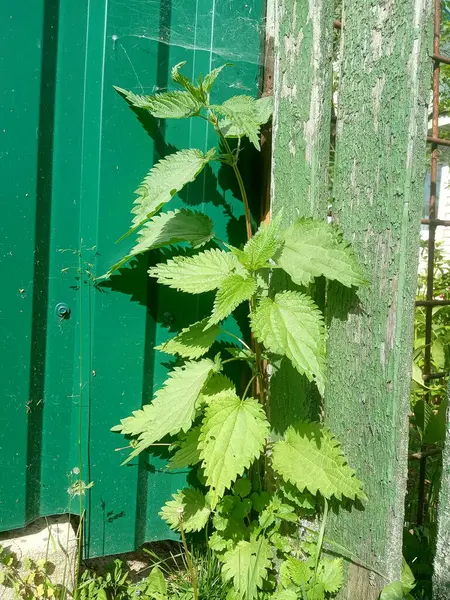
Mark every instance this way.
x=441 y=576
x=303 y=40
x=378 y=189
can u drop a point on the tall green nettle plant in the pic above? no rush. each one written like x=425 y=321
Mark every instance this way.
x=253 y=488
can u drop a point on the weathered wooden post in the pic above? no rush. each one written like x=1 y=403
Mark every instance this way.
x=303 y=46
x=378 y=198
x=441 y=576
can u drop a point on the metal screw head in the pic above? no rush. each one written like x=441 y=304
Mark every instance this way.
x=167 y=319
x=62 y=310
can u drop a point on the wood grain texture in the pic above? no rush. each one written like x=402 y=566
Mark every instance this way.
x=441 y=576
x=378 y=188
x=302 y=33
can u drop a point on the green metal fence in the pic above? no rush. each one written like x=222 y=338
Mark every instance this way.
x=76 y=358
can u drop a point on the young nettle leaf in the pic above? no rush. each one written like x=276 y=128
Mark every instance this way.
x=170 y=228
x=187 y=453
x=167 y=105
x=233 y=434
x=173 y=408
x=196 y=92
x=296 y=571
x=292 y=325
x=310 y=458
x=189 y=506
x=261 y=247
x=314 y=248
x=193 y=341
x=196 y=274
x=233 y=290
x=240 y=118
x=164 y=180
x=247 y=566
x=212 y=76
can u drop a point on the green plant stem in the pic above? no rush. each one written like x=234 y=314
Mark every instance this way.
x=252 y=379
x=236 y=338
x=190 y=564
x=320 y=539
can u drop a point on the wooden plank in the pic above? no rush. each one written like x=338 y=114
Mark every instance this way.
x=441 y=576
x=378 y=188
x=302 y=37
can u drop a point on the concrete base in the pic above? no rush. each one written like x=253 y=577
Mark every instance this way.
x=52 y=539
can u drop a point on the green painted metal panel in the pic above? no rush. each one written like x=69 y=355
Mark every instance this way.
x=72 y=153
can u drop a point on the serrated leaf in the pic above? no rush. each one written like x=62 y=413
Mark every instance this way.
x=195 y=92
x=212 y=76
x=240 y=118
x=314 y=248
x=292 y=325
x=317 y=592
x=218 y=386
x=164 y=180
x=393 y=591
x=170 y=228
x=233 y=290
x=190 y=506
x=299 y=571
x=187 y=453
x=264 y=109
x=173 y=407
x=261 y=247
x=233 y=434
x=167 y=105
x=331 y=574
x=193 y=341
x=310 y=458
x=196 y=274
x=247 y=565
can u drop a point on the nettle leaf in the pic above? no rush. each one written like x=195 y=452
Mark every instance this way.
x=264 y=109
x=167 y=105
x=173 y=408
x=314 y=248
x=243 y=116
x=212 y=76
x=233 y=290
x=296 y=571
x=331 y=574
x=234 y=432
x=187 y=453
x=193 y=341
x=217 y=386
x=164 y=180
x=292 y=325
x=184 y=82
x=247 y=565
x=261 y=247
x=310 y=458
x=170 y=228
x=240 y=118
x=191 y=506
x=196 y=274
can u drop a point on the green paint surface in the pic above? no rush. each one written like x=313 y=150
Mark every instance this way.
x=300 y=156
x=378 y=200
x=73 y=154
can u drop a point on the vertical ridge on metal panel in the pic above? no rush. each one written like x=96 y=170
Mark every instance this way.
x=303 y=43
x=441 y=575
x=378 y=199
